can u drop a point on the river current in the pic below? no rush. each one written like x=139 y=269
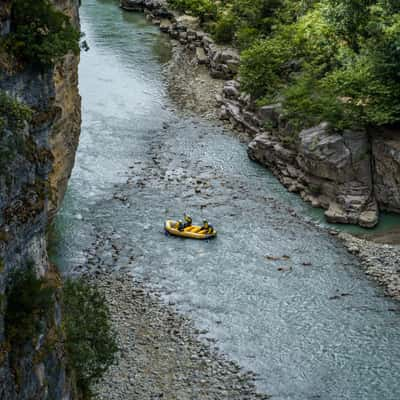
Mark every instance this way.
x=281 y=296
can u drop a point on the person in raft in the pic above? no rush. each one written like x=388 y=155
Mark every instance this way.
x=188 y=221
x=207 y=227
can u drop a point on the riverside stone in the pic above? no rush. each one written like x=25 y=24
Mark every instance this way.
x=132 y=5
x=165 y=25
x=201 y=56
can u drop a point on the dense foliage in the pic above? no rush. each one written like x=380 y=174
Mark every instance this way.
x=29 y=303
x=332 y=60
x=40 y=34
x=90 y=340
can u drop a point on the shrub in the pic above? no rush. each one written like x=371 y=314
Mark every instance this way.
x=90 y=342
x=246 y=36
x=29 y=302
x=266 y=66
x=39 y=33
x=257 y=14
x=12 y=113
x=225 y=27
x=308 y=104
x=204 y=9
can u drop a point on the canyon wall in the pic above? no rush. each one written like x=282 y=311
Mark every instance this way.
x=36 y=162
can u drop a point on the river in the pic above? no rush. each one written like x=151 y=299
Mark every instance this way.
x=281 y=296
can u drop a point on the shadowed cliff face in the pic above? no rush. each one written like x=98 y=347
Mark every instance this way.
x=36 y=161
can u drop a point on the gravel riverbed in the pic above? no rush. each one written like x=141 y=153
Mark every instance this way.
x=161 y=354
x=381 y=261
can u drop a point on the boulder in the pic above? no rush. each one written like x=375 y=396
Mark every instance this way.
x=165 y=25
x=132 y=5
x=152 y=4
x=189 y=22
x=201 y=56
x=267 y=150
x=230 y=91
x=270 y=114
x=329 y=169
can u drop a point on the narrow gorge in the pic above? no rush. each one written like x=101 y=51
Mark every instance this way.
x=296 y=298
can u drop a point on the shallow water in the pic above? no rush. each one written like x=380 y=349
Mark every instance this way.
x=319 y=331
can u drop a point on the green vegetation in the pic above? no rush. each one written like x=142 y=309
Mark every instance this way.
x=204 y=9
x=324 y=60
x=39 y=33
x=12 y=113
x=12 y=116
x=90 y=342
x=30 y=301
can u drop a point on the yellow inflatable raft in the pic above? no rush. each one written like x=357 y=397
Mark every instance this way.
x=192 y=232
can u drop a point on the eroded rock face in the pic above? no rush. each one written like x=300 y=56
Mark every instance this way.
x=328 y=169
x=64 y=138
x=337 y=170
x=65 y=131
x=386 y=156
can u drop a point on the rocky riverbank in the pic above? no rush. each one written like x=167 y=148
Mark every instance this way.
x=351 y=174
x=161 y=354
x=379 y=260
x=190 y=85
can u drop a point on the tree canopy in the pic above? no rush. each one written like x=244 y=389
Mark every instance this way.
x=332 y=60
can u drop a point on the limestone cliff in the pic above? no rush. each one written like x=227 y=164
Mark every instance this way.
x=64 y=137
x=35 y=162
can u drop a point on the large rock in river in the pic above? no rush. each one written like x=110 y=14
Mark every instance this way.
x=337 y=170
x=328 y=169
